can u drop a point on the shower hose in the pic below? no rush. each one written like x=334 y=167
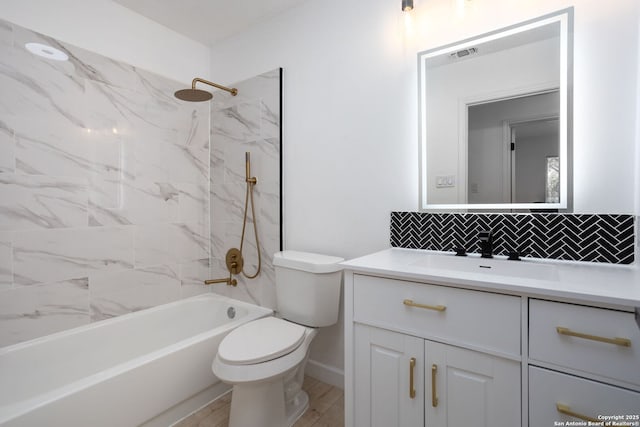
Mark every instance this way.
x=249 y=197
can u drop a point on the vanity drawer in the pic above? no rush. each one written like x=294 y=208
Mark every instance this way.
x=440 y=313
x=552 y=395
x=553 y=327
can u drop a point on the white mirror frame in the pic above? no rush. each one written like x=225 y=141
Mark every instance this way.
x=564 y=17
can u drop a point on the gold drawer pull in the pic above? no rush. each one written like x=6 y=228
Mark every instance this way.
x=412 y=366
x=410 y=303
x=434 y=396
x=564 y=409
x=624 y=342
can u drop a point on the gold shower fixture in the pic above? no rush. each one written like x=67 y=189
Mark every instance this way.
x=234 y=258
x=199 y=95
x=251 y=182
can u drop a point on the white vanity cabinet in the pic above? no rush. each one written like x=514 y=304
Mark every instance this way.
x=435 y=347
x=435 y=356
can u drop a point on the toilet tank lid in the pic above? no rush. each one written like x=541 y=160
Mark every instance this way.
x=305 y=261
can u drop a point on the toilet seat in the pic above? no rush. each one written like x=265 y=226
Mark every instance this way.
x=260 y=341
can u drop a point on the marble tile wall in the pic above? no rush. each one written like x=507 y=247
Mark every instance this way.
x=249 y=122
x=104 y=189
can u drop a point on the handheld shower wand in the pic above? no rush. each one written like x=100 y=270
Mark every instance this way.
x=247 y=162
x=251 y=181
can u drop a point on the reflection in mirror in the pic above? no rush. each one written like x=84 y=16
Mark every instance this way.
x=508 y=143
x=552 y=180
x=493 y=112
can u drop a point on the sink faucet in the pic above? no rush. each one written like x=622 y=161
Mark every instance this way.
x=486 y=244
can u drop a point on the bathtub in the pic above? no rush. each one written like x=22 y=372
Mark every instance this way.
x=151 y=367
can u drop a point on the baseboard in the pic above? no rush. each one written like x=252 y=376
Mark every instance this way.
x=325 y=373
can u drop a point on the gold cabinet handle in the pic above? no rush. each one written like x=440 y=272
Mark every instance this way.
x=410 y=303
x=434 y=396
x=412 y=367
x=624 y=342
x=564 y=409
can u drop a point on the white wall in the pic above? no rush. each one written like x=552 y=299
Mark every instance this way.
x=350 y=138
x=350 y=135
x=349 y=125
x=109 y=29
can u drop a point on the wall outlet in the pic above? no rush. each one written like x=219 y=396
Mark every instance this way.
x=445 y=181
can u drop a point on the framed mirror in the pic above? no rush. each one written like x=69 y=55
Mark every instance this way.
x=494 y=119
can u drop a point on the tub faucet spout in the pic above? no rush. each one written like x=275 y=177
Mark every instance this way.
x=229 y=281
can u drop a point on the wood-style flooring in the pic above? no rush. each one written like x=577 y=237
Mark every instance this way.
x=326 y=409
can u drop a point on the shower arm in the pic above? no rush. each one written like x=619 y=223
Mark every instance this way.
x=232 y=90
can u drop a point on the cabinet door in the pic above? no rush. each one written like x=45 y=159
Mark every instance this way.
x=384 y=363
x=471 y=388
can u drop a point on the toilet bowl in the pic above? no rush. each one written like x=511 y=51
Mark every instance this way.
x=264 y=359
x=266 y=381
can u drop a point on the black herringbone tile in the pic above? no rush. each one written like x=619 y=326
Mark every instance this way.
x=577 y=237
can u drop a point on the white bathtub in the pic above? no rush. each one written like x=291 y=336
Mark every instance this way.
x=150 y=368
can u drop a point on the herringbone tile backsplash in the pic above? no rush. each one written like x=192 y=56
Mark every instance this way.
x=576 y=237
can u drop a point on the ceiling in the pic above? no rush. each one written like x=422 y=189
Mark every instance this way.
x=209 y=21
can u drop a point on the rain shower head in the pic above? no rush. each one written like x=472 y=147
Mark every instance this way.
x=198 y=95
x=193 y=95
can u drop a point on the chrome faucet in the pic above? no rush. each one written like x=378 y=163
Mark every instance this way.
x=486 y=244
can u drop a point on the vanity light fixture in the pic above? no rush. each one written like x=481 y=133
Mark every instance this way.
x=407 y=5
x=46 y=51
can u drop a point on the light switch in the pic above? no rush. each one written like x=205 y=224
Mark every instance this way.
x=445 y=181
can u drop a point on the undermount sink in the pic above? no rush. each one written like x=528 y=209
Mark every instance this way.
x=496 y=267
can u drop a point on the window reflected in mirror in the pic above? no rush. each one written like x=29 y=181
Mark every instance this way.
x=553 y=180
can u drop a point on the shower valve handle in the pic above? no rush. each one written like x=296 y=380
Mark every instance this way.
x=234 y=261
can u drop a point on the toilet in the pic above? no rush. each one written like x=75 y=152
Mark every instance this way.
x=264 y=359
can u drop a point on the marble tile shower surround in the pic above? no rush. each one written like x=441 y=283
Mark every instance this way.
x=104 y=189
x=250 y=122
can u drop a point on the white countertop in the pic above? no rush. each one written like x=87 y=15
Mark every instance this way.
x=617 y=285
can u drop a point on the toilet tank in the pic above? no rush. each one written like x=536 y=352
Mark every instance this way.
x=308 y=287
